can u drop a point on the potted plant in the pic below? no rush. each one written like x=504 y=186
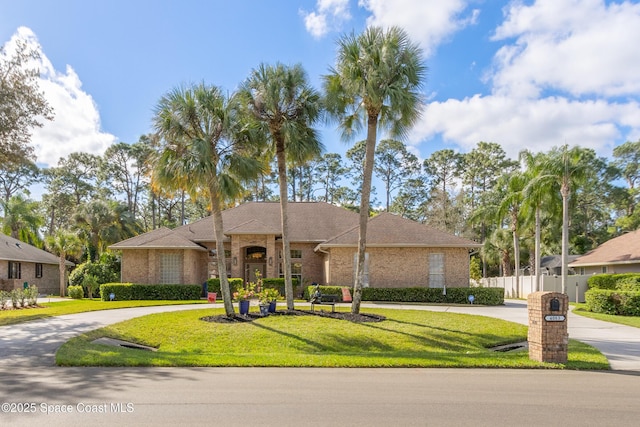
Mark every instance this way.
x=268 y=298
x=243 y=296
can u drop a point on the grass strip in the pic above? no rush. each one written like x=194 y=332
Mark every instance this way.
x=407 y=338
x=50 y=309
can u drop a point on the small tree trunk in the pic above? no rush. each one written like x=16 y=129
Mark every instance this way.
x=286 y=252
x=372 y=128
x=222 y=263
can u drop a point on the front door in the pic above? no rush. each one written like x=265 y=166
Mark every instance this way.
x=251 y=268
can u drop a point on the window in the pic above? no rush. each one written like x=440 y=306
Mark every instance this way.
x=365 y=277
x=38 y=270
x=604 y=269
x=14 y=270
x=295 y=253
x=436 y=270
x=582 y=271
x=296 y=271
x=170 y=268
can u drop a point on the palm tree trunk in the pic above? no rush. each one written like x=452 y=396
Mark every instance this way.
x=63 y=267
x=565 y=235
x=286 y=250
x=372 y=129
x=222 y=263
x=516 y=256
x=537 y=250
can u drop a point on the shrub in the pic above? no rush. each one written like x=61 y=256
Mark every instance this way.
x=132 y=291
x=75 y=292
x=482 y=296
x=16 y=294
x=324 y=290
x=32 y=295
x=104 y=272
x=622 y=303
x=90 y=283
x=235 y=284
x=278 y=283
x=602 y=281
x=4 y=299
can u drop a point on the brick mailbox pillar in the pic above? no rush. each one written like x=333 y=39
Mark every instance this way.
x=548 y=337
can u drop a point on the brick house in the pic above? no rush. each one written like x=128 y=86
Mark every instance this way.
x=22 y=263
x=323 y=240
x=619 y=255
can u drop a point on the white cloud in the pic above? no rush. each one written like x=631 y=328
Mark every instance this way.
x=582 y=47
x=534 y=124
x=428 y=22
x=76 y=125
x=329 y=15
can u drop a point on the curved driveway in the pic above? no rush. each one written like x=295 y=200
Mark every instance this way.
x=35 y=343
x=33 y=392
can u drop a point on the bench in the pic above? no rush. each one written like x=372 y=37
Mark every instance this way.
x=326 y=300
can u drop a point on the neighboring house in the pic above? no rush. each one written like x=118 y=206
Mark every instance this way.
x=22 y=263
x=619 y=255
x=323 y=239
x=552 y=264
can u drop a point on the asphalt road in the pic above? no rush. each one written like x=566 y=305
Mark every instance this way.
x=34 y=392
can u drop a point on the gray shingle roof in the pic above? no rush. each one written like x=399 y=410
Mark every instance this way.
x=311 y=222
x=623 y=249
x=15 y=250
x=387 y=229
x=308 y=221
x=161 y=238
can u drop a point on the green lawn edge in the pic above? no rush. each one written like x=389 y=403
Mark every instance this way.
x=581 y=309
x=407 y=339
x=74 y=306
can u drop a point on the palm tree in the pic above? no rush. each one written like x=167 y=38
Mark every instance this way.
x=565 y=168
x=284 y=106
x=376 y=81
x=64 y=243
x=538 y=194
x=510 y=206
x=21 y=220
x=102 y=223
x=202 y=150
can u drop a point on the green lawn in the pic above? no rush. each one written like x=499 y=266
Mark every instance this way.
x=407 y=338
x=11 y=317
x=581 y=309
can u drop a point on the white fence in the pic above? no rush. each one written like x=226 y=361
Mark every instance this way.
x=576 y=285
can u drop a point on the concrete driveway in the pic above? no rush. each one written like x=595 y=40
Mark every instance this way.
x=35 y=393
x=35 y=343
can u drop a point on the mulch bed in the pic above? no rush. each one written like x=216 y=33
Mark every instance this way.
x=356 y=318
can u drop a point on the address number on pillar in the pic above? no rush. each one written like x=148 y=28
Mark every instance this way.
x=554 y=318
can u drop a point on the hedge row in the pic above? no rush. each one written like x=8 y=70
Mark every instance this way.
x=133 y=291
x=236 y=283
x=484 y=296
x=324 y=290
x=622 y=303
x=621 y=282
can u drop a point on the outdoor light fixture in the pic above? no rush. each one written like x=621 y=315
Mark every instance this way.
x=270 y=260
x=235 y=260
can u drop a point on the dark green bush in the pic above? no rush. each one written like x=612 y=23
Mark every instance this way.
x=278 y=283
x=235 y=283
x=132 y=291
x=483 y=296
x=622 y=303
x=103 y=272
x=625 y=281
x=324 y=290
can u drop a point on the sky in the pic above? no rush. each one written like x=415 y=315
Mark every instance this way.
x=524 y=74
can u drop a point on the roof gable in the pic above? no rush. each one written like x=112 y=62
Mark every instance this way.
x=15 y=250
x=161 y=238
x=623 y=249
